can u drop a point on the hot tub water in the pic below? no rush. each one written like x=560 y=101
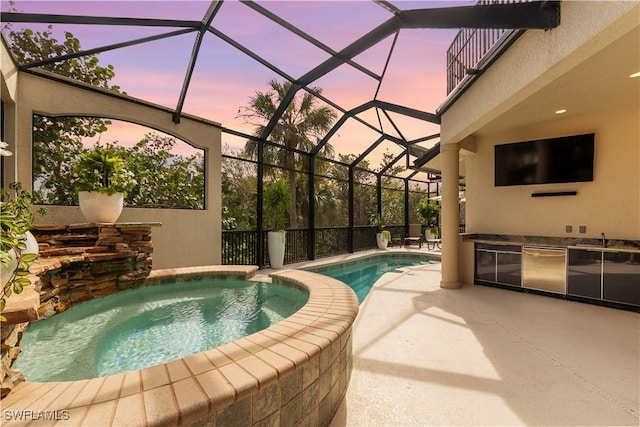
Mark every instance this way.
x=151 y=325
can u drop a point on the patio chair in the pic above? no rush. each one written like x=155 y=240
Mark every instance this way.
x=396 y=240
x=414 y=236
x=432 y=239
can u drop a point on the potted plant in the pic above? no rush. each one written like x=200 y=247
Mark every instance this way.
x=383 y=237
x=276 y=203
x=102 y=180
x=18 y=247
x=429 y=212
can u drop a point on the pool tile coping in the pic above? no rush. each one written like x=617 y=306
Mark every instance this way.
x=183 y=390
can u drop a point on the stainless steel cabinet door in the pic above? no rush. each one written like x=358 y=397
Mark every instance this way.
x=544 y=269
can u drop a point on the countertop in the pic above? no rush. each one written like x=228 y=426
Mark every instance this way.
x=593 y=244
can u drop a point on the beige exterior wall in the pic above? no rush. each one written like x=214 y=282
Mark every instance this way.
x=186 y=237
x=507 y=104
x=610 y=204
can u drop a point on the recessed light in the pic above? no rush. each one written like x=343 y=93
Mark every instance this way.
x=634 y=75
x=561 y=111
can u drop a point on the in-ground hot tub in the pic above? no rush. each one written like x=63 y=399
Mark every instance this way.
x=150 y=325
x=296 y=370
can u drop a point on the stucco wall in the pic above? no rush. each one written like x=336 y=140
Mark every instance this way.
x=186 y=237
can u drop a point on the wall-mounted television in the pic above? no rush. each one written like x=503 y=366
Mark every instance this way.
x=546 y=161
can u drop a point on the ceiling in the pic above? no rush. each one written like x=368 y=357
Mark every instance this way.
x=600 y=83
x=180 y=54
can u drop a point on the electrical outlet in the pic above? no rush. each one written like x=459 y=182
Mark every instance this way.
x=583 y=229
x=568 y=228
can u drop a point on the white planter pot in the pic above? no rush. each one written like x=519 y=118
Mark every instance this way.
x=381 y=241
x=32 y=244
x=32 y=248
x=100 y=207
x=276 y=242
x=5 y=273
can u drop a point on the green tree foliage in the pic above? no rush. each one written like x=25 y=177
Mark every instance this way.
x=416 y=195
x=392 y=192
x=300 y=127
x=33 y=46
x=165 y=180
x=239 y=192
x=331 y=204
x=365 y=199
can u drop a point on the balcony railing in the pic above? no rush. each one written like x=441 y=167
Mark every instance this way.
x=470 y=46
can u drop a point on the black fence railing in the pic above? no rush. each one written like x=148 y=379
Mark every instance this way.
x=364 y=238
x=470 y=46
x=466 y=51
x=240 y=246
x=296 y=247
x=331 y=241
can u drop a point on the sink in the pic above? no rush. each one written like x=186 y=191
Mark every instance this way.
x=586 y=245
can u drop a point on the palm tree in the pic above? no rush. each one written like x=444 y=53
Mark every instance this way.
x=301 y=126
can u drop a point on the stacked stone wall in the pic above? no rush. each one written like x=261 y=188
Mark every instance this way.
x=11 y=336
x=81 y=262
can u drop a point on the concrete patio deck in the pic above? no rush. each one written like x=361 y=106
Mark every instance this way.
x=485 y=356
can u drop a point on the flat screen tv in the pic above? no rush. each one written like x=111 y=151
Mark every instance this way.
x=546 y=161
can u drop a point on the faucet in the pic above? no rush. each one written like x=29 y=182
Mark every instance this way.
x=604 y=240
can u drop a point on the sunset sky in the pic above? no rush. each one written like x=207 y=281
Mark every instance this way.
x=224 y=78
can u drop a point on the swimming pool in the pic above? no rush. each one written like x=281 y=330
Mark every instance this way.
x=151 y=325
x=360 y=274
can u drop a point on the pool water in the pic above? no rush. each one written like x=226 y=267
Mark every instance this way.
x=151 y=325
x=361 y=274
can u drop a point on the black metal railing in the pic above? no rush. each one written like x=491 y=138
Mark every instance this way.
x=331 y=241
x=240 y=246
x=470 y=46
x=296 y=247
x=364 y=237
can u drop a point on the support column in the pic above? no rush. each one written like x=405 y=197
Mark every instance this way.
x=259 y=207
x=450 y=215
x=311 y=238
